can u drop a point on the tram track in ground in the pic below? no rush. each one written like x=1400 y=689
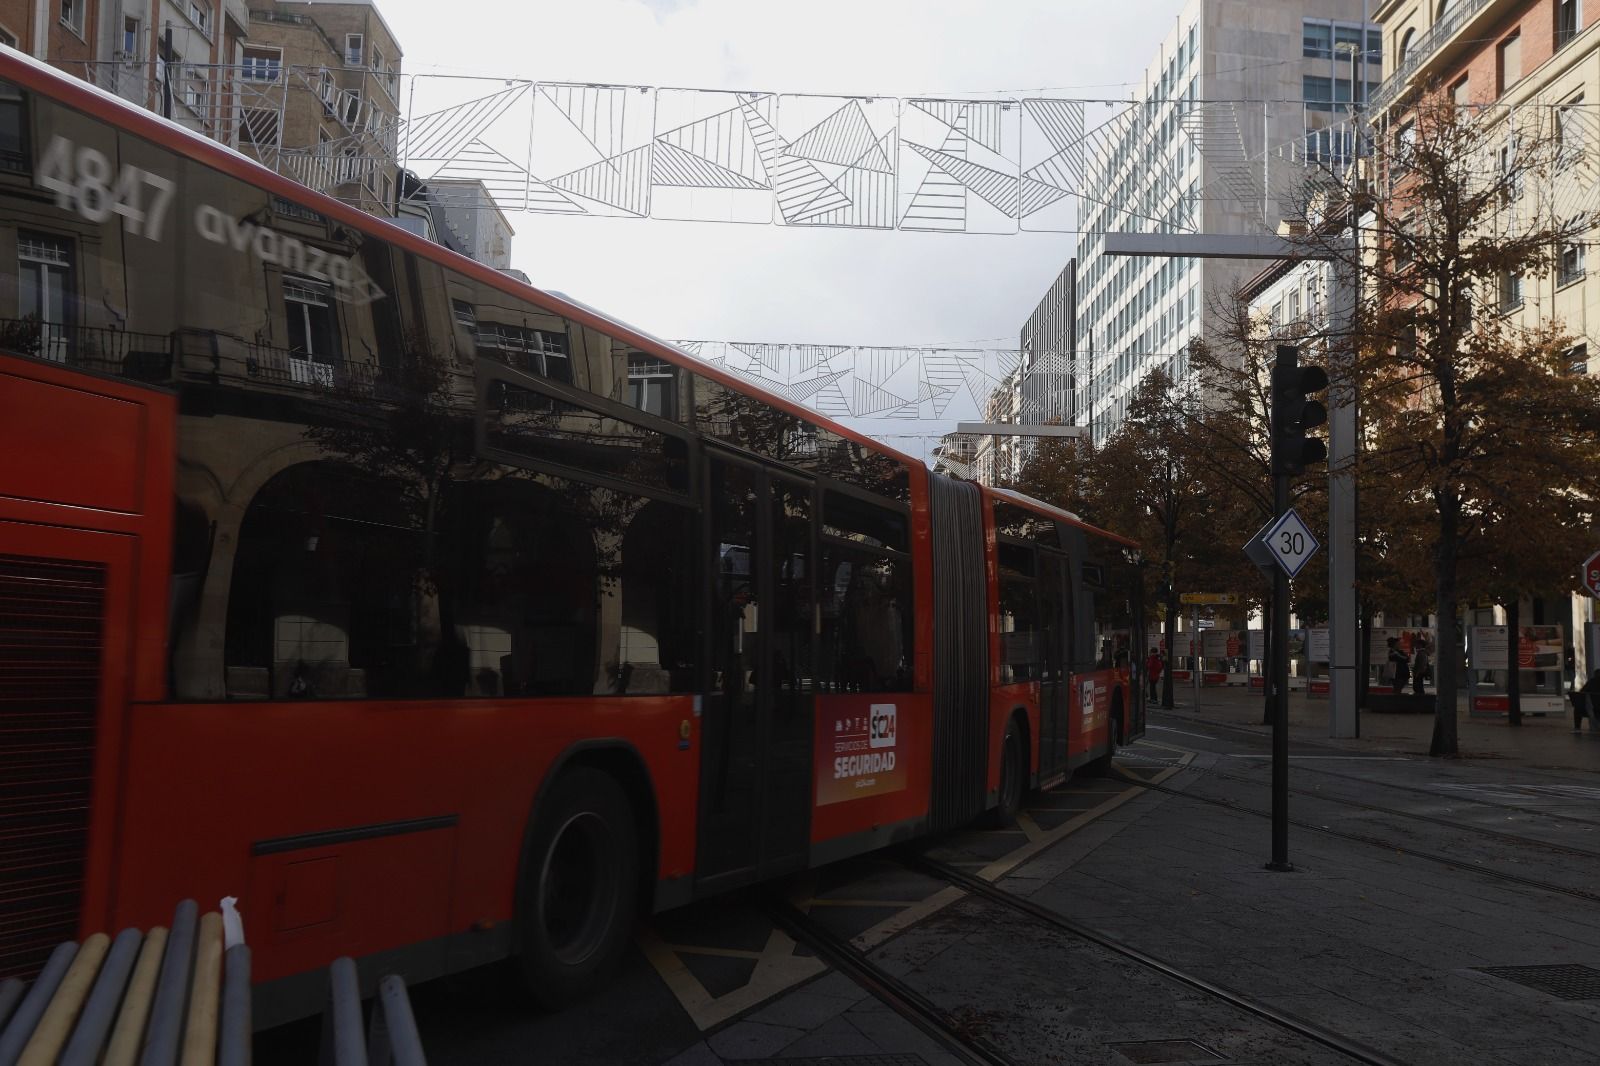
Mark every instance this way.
x=1453 y=797
x=1378 y=842
x=950 y=1032
x=1378 y=808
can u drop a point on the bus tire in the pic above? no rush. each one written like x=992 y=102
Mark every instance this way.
x=576 y=902
x=1102 y=766
x=1013 y=777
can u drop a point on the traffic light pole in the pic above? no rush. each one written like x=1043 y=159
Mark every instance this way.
x=1278 y=689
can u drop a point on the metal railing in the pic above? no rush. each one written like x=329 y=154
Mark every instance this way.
x=141 y=356
x=1424 y=47
x=285 y=368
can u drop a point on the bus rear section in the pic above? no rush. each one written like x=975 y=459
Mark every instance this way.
x=85 y=498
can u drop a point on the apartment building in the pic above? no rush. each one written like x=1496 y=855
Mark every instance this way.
x=1509 y=60
x=66 y=31
x=1049 y=354
x=1499 y=56
x=997 y=460
x=309 y=88
x=320 y=88
x=1195 y=160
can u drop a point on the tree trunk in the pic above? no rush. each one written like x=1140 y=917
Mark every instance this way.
x=1447 y=661
x=1172 y=646
x=1514 y=661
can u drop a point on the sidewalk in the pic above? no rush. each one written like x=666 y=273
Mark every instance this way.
x=1544 y=742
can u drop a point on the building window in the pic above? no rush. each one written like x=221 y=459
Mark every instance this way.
x=200 y=16
x=1569 y=132
x=7 y=38
x=1348 y=40
x=1317 y=40
x=465 y=315
x=1405 y=46
x=72 y=15
x=653 y=386
x=13 y=129
x=132 y=39
x=44 y=267
x=1569 y=20
x=258 y=126
x=1510 y=171
x=350 y=108
x=262 y=64
x=1510 y=61
x=194 y=88
x=354 y=47
x=1318 y=92
x=1570 y=267
x=1510 y=290
x=313 y=336
x=1458 y=91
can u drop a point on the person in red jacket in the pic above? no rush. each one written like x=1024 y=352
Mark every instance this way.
x=1153 y=665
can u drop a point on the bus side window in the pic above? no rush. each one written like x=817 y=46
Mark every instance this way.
x=1021 y=651
x=866 y=599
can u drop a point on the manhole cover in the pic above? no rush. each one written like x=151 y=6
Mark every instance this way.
x=1564 y=980
x=1155 y=1051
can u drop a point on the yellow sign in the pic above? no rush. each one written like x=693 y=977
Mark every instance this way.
x=1204 y=599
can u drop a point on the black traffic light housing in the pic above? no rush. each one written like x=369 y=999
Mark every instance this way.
x=1294 y=412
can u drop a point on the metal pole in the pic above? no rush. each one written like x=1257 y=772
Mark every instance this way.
x=166 y=80
x=1194 y=654
x=1278 y=693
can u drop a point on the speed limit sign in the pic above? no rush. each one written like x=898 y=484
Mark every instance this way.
x=1591 y=574
x=1291 y=543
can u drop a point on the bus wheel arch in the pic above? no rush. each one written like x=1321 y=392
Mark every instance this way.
x=586 y=868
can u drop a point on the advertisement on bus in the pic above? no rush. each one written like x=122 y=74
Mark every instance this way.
x=858 y=752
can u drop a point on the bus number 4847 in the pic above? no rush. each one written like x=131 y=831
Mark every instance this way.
x=82 y=180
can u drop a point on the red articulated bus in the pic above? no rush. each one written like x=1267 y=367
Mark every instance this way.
x=440 y=619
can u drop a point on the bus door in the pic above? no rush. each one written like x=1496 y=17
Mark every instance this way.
x=755 y=799
x=1055 y=628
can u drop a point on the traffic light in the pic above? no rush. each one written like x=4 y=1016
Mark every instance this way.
x=1294 y=412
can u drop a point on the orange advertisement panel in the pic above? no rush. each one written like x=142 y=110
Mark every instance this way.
x=860 y=749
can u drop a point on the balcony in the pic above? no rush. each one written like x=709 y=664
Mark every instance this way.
x=1425 y=47
x=144 y=357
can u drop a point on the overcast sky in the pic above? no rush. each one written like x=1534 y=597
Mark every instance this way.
x=736 y=282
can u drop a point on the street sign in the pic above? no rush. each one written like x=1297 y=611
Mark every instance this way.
x=1291 y=542
x=1208 y=599
x=1258 y=552
x=1591 y=574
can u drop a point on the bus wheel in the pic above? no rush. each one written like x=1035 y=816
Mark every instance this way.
x=575 y=905
x=1102 y=766
x=1013 y=777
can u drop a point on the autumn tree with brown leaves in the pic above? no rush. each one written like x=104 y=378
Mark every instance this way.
x=1146 y=483
x=1479 y=447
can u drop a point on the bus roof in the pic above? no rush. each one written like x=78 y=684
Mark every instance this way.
x=39 y=76
x=1041 y=508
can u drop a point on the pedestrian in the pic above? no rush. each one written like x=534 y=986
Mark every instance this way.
x=1587 y=701
x=1399 y=666
x=1420 y=664
x=1153 y=665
